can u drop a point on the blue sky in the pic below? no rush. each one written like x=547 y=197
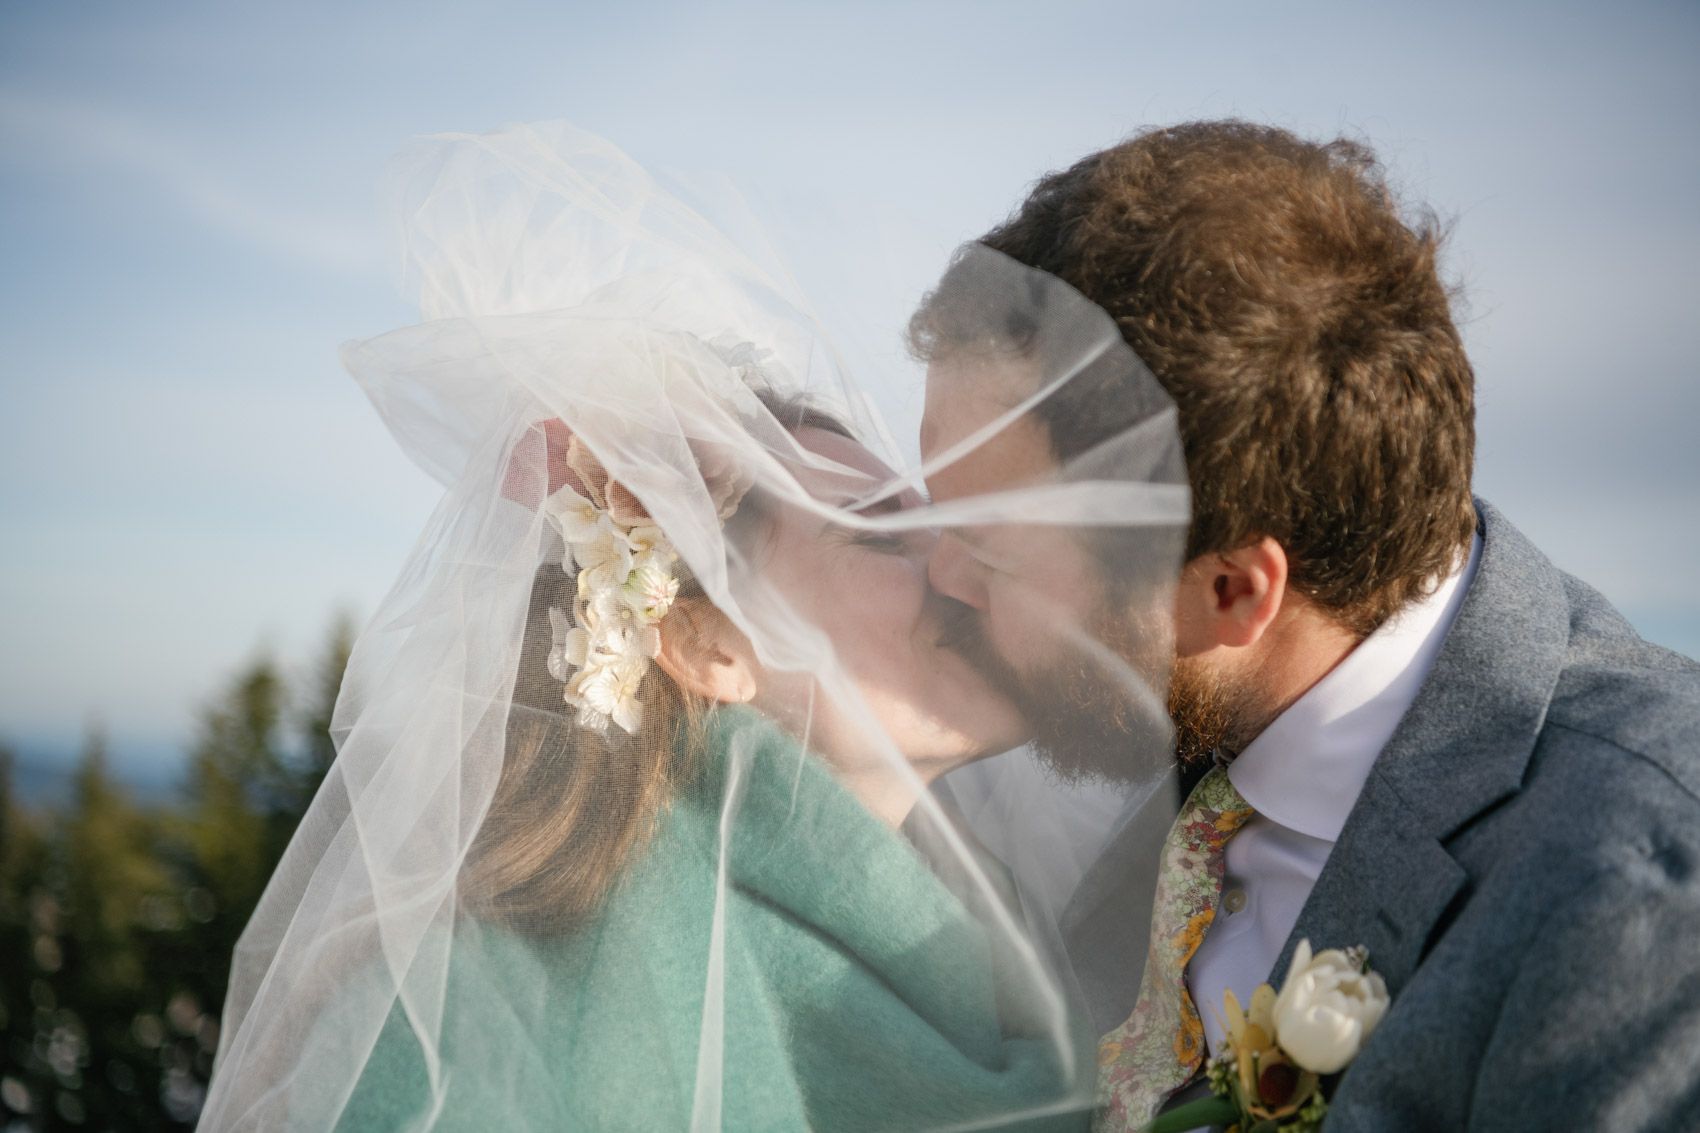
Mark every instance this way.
x=189 y=227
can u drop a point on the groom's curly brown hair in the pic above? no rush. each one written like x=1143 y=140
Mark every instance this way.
x=1300 y=324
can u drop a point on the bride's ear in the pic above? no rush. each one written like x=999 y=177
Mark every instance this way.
x=706 y=655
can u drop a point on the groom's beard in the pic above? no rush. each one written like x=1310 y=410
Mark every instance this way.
x=1207 y=710
x=1087 y=722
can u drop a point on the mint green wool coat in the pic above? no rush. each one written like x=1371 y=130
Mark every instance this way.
x=858 y=994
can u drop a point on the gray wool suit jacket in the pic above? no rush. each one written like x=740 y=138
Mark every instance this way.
x=1523 y=865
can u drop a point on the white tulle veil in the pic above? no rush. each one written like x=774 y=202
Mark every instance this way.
x=536 y=893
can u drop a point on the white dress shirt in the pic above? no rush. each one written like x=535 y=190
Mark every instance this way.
x=1302 y=775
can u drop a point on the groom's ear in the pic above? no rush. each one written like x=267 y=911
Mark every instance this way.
x=706 y=655
x=1229 y=598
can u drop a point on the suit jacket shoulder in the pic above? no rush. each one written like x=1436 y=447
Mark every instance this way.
x=1620 y=690
x=1524 y=866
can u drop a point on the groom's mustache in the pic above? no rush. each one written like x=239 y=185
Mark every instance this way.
x=963 y=632
x=1085 y=725
x=958 y=623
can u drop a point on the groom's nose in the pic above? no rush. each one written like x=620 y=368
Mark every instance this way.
x=956 y=574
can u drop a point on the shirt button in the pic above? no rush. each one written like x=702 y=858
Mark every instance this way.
x=1234 y=900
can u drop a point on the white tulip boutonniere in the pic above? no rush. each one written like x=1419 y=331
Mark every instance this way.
x=1268 y=1077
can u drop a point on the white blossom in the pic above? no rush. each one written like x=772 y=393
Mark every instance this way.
x=601 y=608
x=1327 y=1009
x=579 y=519
x=648 y=543
x=571 y=646
x=603 y=561
x=607 y=688
x=626 y=584
x=650 y=590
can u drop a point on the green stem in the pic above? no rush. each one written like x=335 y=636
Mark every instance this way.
x=1204 y=1111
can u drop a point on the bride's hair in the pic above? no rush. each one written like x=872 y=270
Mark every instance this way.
x=573 y=806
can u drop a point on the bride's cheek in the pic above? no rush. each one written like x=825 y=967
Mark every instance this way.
x=904 y=571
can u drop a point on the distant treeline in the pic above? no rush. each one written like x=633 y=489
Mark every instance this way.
x=118 y=917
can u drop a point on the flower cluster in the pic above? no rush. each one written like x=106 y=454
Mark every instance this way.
x=626 y=585
x=1269 y=1074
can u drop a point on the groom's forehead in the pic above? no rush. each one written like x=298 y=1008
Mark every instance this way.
x=963 y=398
x=966 y=391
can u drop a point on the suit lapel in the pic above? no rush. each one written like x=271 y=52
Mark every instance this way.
x=1384 y=887
x=1462 y=747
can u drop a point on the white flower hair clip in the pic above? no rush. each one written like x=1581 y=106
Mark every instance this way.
x=627 y=574
x=624 y=566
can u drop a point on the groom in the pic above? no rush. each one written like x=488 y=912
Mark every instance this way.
x=1436 y=744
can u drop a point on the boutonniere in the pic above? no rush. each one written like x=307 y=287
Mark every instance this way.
x=1268 y=1077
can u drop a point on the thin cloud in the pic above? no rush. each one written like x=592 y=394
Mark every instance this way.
x=90 y=134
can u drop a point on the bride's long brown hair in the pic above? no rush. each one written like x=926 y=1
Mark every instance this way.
x=572 y=807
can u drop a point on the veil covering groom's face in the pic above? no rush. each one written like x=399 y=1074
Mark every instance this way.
x=1072 y=623
x=1299 y=323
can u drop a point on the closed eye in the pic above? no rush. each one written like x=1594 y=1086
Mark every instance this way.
x=885 y=542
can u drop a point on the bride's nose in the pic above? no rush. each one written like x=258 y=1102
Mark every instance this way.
x=955 y=573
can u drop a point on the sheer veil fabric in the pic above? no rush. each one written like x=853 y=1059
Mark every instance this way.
x=668 y=793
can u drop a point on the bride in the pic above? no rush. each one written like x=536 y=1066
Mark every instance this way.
x=637 y=819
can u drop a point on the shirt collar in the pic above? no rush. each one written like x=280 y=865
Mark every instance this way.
x=1305 y=770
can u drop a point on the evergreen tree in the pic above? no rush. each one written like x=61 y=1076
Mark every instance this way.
x=103 y=896
x=23 y=854
x=117 y=924
x=112 y=875
x=318 y=748
x=28 y=942
x=237 y=779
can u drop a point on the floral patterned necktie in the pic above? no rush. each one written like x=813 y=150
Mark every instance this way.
x=1161 y=1046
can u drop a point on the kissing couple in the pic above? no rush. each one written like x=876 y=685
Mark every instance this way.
x=1155 y=733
